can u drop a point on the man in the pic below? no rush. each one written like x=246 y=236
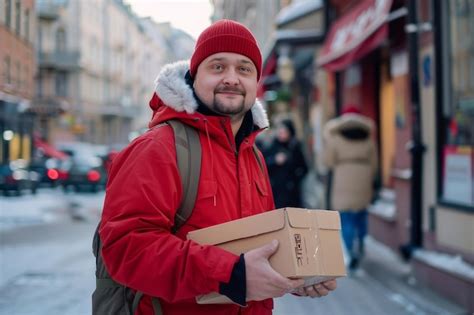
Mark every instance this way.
x=215 y=94
x=351 y=154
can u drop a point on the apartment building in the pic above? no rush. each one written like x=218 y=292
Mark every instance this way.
x=97 y=64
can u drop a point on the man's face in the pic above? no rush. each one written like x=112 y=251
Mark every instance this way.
x=227 y=83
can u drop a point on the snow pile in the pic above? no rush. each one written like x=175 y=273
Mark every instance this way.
x=449 y=263
x=386 y=210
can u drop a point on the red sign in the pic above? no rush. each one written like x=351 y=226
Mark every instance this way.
x=355 y=34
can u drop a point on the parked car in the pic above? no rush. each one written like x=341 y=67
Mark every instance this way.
x=84 y=169
x=16 y=176
x=49 y=170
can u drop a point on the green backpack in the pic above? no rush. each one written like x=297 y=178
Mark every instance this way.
x=113 y=298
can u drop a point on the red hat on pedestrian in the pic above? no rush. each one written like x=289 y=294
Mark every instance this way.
x=351 y=109
x=226 y=36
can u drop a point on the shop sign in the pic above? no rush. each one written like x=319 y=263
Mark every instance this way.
x=458 y=174
x=351 y=30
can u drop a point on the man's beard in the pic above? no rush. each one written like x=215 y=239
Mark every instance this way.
x=222 y=108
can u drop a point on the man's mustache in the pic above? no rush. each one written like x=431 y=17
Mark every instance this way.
x=227 y=89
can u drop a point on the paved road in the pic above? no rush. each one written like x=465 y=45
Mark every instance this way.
x=46 y=261
x=47 y=267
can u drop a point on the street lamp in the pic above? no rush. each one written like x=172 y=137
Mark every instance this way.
x=8 y=135
x=285 y=68
x=285 y=71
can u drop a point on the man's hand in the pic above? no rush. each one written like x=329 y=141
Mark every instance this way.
x=263 y=281
x=318 y=290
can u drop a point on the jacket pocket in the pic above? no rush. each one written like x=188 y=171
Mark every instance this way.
x=206 y=193
x=261 y=188
x=261 y=196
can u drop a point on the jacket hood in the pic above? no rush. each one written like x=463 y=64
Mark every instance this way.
x=174 y=98
x=347 y=122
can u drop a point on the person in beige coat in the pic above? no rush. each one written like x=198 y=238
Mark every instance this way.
x=350 y=153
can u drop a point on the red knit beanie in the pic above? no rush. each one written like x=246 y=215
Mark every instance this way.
x=226 y=36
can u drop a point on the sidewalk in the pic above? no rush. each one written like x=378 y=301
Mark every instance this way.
x=396 y=276
x=384 y=283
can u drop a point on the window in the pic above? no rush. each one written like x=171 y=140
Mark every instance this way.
x=26 y=77
x=60 y=40
x=18 y=76
x=26 y=26
x=458 y=114
x=7 y=67
x=8 y=13
x=61 y=84
x=17 y=17
x=39 y=85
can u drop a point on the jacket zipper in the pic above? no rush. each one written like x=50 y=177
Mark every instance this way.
x=232 y=145
x=236 y=155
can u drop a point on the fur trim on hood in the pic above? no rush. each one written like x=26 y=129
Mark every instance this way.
x=348 y=121
x=174 y=92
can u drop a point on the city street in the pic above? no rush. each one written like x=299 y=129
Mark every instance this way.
x=365 y=107
x=47 y=266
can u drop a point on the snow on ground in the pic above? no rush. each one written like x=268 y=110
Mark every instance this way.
x=28 y=209
x=46 y=206
x=449 y=263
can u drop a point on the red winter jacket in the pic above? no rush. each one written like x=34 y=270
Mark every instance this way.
x=144 y=191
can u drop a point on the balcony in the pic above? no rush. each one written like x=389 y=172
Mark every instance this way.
x=48 y=10
x=119 y=110
x=66 y=60
x=49 y=106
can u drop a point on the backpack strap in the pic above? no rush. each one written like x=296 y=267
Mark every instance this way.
x=156 y=306
x=136 y=300
x=157 y=310
x=188 y=154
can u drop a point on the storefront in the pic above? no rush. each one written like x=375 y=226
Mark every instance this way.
x=365 y=53
x=16 y=128
x=456 y=138
x=409 y=65
x=287 y=86
x=447 y=88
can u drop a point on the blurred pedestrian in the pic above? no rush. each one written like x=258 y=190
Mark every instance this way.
x=286 y=166
x=215 y=94
x=350 y=153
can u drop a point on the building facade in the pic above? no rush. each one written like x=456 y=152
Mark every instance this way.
x=17 y=70
x=411 y=72
x=446 y=73
x=97 y=64
x=289 y=33
x=258 y=16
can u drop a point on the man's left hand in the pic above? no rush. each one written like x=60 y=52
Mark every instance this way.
x=318 y=290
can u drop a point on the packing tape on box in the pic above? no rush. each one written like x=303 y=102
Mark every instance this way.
x=318 y=248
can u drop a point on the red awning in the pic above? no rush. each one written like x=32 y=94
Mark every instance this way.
x=355 y=34
x=269 y=67
x=49 y=150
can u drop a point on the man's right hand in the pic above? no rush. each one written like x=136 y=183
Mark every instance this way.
x=263 y=281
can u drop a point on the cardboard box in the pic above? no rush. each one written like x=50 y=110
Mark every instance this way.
x=309 y=243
